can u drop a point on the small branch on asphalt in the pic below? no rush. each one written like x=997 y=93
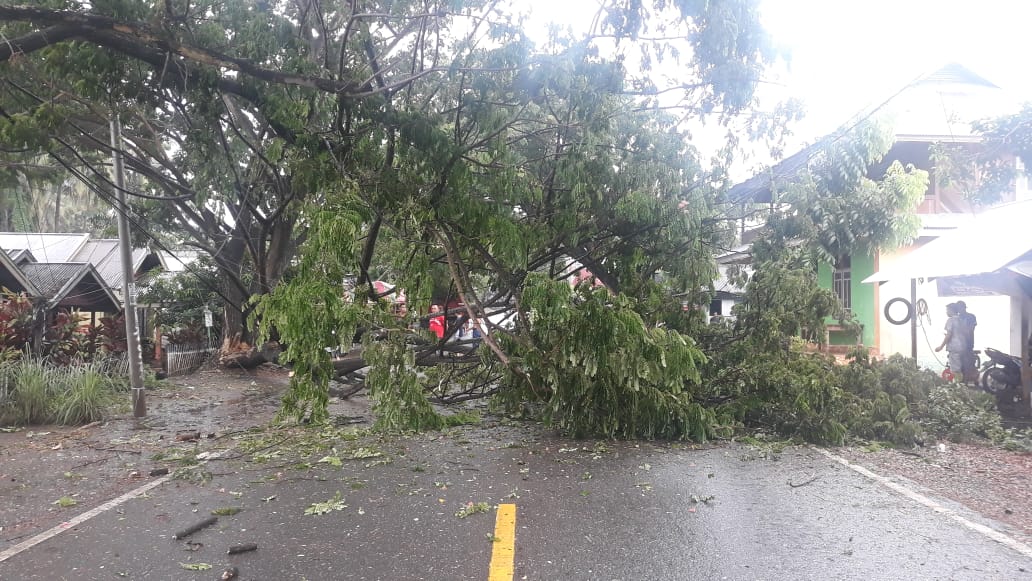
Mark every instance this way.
x=104 y=459
x=195 y=527
x=244 y=548
x=805 y=482
x=114 y=450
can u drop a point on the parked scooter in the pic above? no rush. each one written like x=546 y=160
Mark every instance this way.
x=1001 y=371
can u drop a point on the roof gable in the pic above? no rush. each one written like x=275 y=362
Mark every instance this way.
x=71 y=284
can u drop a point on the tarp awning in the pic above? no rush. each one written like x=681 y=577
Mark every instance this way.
x=993 y=240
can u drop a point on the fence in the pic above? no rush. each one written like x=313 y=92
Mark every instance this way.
x=189 y=357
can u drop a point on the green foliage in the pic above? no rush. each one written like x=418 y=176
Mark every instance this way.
x=600 y=371
x=985 y=173
x=457 y=158
x=310 y=312
x=320 y=508
x=782 y=300
x=34 y=387
x=471 y=508
x=836 y=210
x=399 y=401
x=180 y=299
x=793 y=393
x=961 y=414
x=88 y=393
x=35 y=391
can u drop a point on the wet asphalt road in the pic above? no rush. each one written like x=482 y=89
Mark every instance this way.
x=584 y=511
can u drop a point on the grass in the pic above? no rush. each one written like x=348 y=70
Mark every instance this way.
x=34 y=391
x=87 y=395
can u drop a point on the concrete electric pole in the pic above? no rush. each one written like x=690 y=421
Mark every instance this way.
x=132 y=333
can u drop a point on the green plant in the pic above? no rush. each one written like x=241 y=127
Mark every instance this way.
x=87 y=396
x=471 y=508
x=34 y=384
x=397 y=391
x=601 y=370
x=958 y=413
x=319 y=508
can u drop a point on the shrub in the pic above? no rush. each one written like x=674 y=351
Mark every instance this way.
x=35 y=391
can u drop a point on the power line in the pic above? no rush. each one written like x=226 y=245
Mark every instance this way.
x=107 y=197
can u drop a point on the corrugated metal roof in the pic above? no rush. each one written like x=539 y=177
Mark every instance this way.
x=956 y=73
x=50 y=278
x=20 y=255
x=179 y=260
x=990 y=242
x=71 y=284
x=103 y=254
x=45 y=247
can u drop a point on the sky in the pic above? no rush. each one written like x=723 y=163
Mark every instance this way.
x=846 y=56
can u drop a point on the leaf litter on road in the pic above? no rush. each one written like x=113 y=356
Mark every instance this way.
x=319 y=508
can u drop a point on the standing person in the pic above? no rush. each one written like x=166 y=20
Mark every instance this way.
x=436 y=322
x=968 y=323
x=474 y=331
x=955 y=341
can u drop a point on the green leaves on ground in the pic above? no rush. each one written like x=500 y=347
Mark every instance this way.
x=471 y=508
x=320 y=508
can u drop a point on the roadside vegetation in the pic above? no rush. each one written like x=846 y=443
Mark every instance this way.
x=69 y=378
x=36 y=391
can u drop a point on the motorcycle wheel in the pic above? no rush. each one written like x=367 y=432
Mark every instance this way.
x=991 y=385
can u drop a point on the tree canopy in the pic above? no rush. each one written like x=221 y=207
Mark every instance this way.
x=304 y=143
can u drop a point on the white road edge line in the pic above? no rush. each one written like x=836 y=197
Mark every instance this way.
x=995 y=535
x=79 y=519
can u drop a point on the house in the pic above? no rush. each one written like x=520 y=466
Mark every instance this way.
x=936 y=109
x=70 y=272
x=58 y=248
x=990 y=256
x=70 y=285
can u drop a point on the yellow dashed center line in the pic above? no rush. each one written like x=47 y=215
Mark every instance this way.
x=504 y=551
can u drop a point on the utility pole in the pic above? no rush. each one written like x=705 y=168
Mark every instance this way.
x=132 y=333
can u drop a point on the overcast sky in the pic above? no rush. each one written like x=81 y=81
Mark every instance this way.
x=846 y=55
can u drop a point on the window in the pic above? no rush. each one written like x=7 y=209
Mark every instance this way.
x=841 y=281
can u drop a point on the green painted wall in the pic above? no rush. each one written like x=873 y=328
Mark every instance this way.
x=865 y=307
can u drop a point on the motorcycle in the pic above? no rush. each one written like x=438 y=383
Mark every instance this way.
x=1001 y=371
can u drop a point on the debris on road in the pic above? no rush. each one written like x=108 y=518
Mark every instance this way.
x=244 y=548
x=805 y=482
x=196 y=527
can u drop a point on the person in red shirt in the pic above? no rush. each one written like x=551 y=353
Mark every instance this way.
x=437 y=323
